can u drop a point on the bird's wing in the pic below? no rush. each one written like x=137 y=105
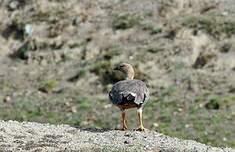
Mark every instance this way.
x=129 y=96
x=129 y=91
x=138 y=99
x=122 y=97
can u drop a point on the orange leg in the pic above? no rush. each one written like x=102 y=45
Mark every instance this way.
x=140 y=120
x=123 y=121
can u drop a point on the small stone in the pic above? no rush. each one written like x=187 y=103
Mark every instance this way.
x=7 y=99
x=28 y=29
x=201 y=105
x=187 y=126
x=131 y=57
x=57 y=57
x=127 y=135
x=224 y=13
x=108 y=106
x=175 y=113
x=13 y=5
x=67 y=103
x=77 y=20
x=43 y=62
x=73 y=109
x=155 y=124
x=126 y=142
x=180 y=109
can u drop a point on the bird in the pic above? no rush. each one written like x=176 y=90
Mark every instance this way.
x=129 y=93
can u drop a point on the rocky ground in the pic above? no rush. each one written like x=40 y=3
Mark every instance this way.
x=26 y=136
x=56 y=60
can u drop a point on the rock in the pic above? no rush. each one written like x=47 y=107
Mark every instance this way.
x=203 y=59
x=7 y=99
x=13 y=5
x=45 y=137
x=225 y=48
x=28 y=29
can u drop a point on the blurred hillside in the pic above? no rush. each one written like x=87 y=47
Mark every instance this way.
x=57 y=59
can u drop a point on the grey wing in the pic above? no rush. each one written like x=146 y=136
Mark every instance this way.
x=129 y=91
x=141 y=98
x=122 y=97
x=142 y=95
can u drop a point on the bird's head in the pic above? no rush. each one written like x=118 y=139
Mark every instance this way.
x=127 y=69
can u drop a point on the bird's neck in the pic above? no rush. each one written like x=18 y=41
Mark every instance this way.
x=130 y=74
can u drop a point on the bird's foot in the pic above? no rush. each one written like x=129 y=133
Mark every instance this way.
x=122 y=129
x=141 y=128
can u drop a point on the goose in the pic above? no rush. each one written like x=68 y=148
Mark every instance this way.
x=129 y=93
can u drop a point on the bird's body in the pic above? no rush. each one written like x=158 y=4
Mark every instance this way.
x=129 y=93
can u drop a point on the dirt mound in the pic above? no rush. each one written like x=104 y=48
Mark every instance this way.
x=28 y=136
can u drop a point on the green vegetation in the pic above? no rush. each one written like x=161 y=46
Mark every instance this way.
x=152 y=28
x=191 y=122
x=125 y=20
x=22 y=52
x=29 y=111
x=213 y=25
x=48 y=85
x=213 y=103
x=83 y=103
